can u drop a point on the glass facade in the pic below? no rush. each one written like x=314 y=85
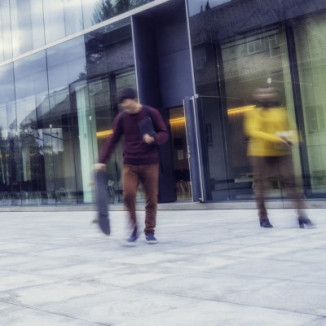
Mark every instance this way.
x=8 y=134
x=31 y=101
x=197 y=61
x=239 y=46
x=57 y=107
x=28 y=24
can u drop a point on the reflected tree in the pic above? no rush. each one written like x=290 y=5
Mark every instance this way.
x=106 y=9
x=32 y=171
x=103 y=10
x=122 y=6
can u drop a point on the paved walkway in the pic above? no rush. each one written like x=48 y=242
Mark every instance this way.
x=214 y=268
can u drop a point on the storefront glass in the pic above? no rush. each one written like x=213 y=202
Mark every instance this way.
x=237 y=47
x=8 y=135
x=310 y=39
x=66 y=125
x=57 y=108
x=110 y=67
x=31 y=93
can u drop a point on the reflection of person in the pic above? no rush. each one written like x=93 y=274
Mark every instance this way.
x=140 y=158
x=270 y=141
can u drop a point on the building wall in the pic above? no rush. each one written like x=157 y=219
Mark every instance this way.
x=58 y=102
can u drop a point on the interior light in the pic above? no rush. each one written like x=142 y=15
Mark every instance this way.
x=173 y=122
x=104 y=133
x=240 y=110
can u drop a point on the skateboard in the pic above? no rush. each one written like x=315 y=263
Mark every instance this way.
x=102 y=205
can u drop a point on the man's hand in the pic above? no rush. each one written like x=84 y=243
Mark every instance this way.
x=99 y=166
x=148 y=139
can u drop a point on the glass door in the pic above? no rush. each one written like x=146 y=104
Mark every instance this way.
x=215 y=175
x=256 y=59
x=180 y=154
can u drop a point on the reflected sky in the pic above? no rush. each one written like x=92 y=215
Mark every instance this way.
x=196 y=6
x=28 y=24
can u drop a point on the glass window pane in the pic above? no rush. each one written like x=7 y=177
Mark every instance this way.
x=27 y=25
x=96 y=11
x=31 y=97
x=110 y=67
x=5 y=31
x=67 y=123
x=62 y=18
x=54 y=20
x=109 y=49
x=73 y=16
x=310 y=37
x=198 y=6
x=237 y=47
x=8 y=136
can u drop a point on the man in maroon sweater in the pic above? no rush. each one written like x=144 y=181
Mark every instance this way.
x=140 y=157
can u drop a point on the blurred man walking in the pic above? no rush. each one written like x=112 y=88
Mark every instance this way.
x=270 y=142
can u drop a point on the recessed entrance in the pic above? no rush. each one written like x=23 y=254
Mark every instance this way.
x=180 y=154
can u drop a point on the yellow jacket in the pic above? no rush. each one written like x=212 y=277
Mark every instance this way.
x=262 y=127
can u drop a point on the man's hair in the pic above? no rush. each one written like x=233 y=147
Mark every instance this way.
x=127 y=93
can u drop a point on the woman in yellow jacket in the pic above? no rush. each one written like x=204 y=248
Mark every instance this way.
x=270 y=142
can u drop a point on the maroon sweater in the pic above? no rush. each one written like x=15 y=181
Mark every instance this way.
x=135 y=150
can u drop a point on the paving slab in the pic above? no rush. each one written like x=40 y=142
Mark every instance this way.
x=210 y=267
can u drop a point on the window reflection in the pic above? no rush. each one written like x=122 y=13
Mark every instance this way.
x=27 y=25
x=229 y=65
x=5 y=31
x=96 y=11
x=62 y=18
x=49 y=142
x=199 y=6
x=110 y=66
x=7 y=134
x=62 y=134
x=31 y=93
x=73 y=16
x=310 y=38
x=109 y=49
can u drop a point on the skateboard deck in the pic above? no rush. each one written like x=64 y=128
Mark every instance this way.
x=102 y=205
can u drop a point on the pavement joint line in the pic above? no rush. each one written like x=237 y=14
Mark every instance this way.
x=237 y=303
x=52 y=313
x=206 y=266
x=264 y=278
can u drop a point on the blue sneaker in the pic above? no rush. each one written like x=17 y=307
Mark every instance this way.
x=134 y=236
x=151 y=239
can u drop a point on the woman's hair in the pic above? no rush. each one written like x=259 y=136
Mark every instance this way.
x=267 y=95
